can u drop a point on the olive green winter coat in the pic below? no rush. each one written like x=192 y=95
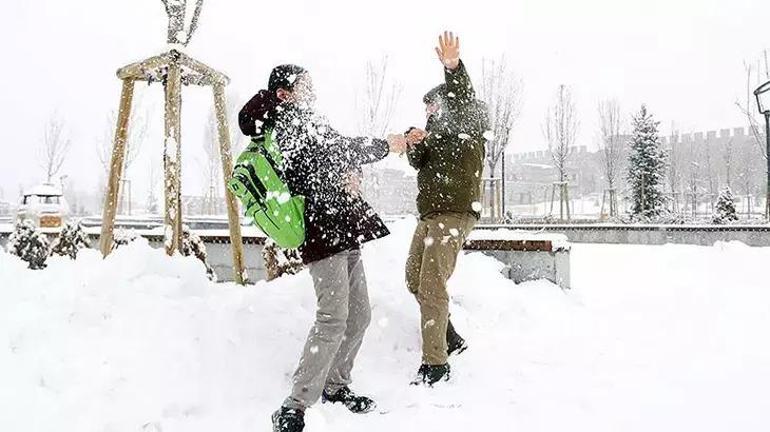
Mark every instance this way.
x=450 y=159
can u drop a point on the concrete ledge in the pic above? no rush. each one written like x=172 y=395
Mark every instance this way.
x=528 y=265
x=528 y=258
x=527 y=255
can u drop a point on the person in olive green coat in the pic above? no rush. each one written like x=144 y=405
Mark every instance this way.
x=448 y=156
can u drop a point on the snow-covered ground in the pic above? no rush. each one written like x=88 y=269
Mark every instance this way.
x=651 y=338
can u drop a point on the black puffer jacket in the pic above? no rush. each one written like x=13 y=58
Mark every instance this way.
x=317 y=160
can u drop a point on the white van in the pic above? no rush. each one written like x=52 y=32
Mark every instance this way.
x=44 y=205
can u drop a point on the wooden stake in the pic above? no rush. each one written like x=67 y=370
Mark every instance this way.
x=227 y=168
x=171 y=159
x=116 y=168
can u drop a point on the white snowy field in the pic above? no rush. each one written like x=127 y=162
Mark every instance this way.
x=651 y=338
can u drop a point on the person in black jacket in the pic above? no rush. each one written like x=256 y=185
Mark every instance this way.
x=322 y=165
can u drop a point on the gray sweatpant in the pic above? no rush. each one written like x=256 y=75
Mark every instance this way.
x=341 y=320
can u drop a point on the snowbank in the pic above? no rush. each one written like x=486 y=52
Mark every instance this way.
x=650 y=338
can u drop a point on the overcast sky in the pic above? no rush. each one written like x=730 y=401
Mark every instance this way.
x=683 y=58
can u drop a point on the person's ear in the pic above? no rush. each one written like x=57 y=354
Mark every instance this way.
x=283 y=94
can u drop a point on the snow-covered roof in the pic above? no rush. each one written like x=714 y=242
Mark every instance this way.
x=45 y=189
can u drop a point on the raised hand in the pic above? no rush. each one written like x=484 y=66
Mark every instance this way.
x=448 y=50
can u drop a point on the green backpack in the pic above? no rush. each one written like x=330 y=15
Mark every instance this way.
x=265 y=196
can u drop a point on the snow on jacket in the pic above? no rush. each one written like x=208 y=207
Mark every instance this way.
x=317 y=161
x=450 y=160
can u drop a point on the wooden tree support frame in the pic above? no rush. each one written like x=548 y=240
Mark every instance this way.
x=563 y=189
x=173 y=69
x=609 y=197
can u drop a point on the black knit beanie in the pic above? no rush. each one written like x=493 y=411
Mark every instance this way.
x=284 y=76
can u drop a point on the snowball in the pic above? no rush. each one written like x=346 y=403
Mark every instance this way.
x=489 y=135
x=454 y=232
x=451 y=94
x=428 y=241
x=314 y=349
x=463 y=136
x=476 y=206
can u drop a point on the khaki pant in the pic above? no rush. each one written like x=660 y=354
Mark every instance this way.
x=437 y=241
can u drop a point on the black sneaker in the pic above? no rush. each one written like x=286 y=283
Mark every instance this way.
x=431 y=374
x=353 y=402
x=455 y=343
x=288 y=420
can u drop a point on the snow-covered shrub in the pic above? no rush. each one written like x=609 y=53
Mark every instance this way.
x=279 y=262
x=122 y=238
x=725 y=211
x=71 y=239
x=29 y=244
x=192 y=245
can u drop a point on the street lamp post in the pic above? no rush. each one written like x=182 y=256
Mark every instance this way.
x=763 y=102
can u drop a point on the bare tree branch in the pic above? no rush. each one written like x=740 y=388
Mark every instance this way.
x=501 y=90
x=560 y=129
x=194 y=21
x=611 y=146
x=212 y=164
x=54 y=148
x=378 y=102
x=748 y=112
x=138 y=128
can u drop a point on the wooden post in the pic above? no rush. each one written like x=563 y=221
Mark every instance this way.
x=227 y=168
x=171 y=156
x=116 y=167
x=601 y=211
x=553 y=197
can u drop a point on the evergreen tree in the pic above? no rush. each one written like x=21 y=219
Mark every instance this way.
x=71 y=239
x=29 y=244
x=725 y=211
x=647 y=165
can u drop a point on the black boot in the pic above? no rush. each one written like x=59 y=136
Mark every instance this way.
x=431 y=374
x=288 y=420
x=353 y=402
x=455 y=343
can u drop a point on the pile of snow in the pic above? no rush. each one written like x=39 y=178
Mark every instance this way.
x=651 y=338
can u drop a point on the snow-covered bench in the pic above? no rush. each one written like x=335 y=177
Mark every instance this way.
x=527 y=255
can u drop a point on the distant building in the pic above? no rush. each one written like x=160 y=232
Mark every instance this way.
x=391 y=191
x=701 y=164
